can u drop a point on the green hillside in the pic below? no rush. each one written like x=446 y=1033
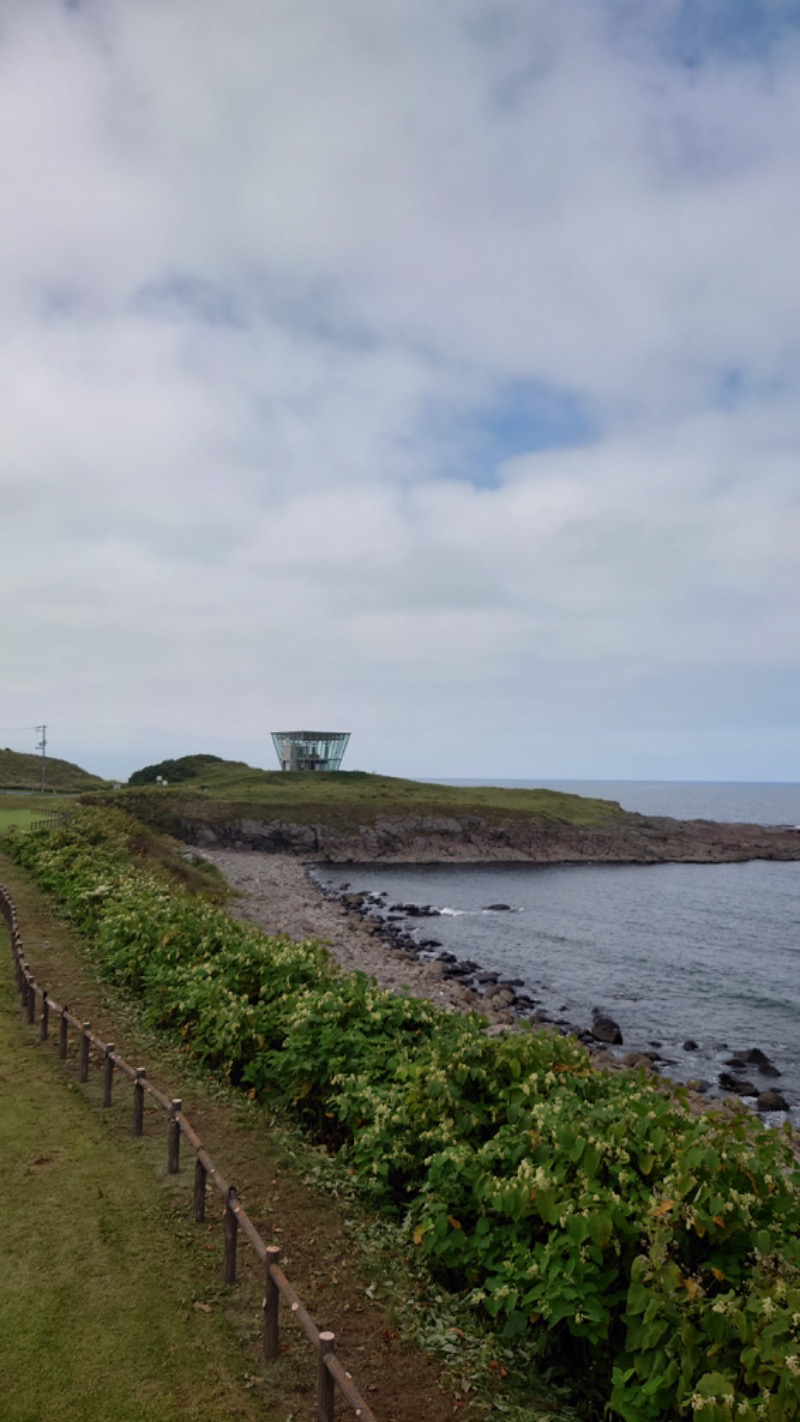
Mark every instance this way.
x=19 y=771
x=211 y=790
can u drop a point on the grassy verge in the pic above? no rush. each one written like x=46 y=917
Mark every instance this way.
x=592 y=1218
x=98 y=1294
x=353 y=1272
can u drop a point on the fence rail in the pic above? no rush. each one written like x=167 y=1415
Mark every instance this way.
x=53 y=821
x=331 y=1375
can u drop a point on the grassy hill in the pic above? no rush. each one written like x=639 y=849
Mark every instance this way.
x=19 y=771
x=214 y=791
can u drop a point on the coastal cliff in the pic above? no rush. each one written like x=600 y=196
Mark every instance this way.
x=432 y=839
x=358 y=818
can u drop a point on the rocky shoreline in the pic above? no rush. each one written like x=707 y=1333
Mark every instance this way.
x=365 y=932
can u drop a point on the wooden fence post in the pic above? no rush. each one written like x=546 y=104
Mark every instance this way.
x=63 y=1028
x=108 y=1074
x=23 y=984
x=138 y=1101
x=200 y=1174
x=231 y=1238
x=31 y=1002
x=174 y=1138
x=44 y=1026
x=272 y=1303
x=84 y=1059
x=326 y=1387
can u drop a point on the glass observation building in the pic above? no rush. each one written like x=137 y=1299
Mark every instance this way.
x=310 y=750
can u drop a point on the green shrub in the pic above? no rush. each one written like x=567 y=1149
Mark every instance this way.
x=653 y=1252
x=186 y=767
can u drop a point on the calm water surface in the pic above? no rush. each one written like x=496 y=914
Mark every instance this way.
x=673 y=951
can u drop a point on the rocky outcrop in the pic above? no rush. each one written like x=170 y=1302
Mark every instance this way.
x=605 y=1029
x=420 y=839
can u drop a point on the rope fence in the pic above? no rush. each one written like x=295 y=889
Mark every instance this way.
x=331 y=1375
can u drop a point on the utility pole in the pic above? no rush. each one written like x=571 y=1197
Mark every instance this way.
x=42 y=746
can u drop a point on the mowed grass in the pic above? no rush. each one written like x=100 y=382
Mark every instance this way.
x=17 y=811
x=20 y=816
x=97 y=1292
x=17 y=819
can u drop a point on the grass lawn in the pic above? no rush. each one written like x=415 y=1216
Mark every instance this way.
x=20 y=818
x=17 y=811
x=97 y=1290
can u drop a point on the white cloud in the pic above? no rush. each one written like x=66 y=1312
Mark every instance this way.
x=271 y=274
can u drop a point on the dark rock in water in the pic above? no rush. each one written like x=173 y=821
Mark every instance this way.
x=658 y=1044
x=760 y=1059
x=737 y=1084
x=486 y=977
x=430 y=942
x=497 y=908
x=605 y=1029
x=689 y=1045
x=447 y=958
x=735 y=1063
x=345 y=885
x=771 y=1101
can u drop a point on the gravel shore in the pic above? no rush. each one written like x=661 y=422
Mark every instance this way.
x=276 y=893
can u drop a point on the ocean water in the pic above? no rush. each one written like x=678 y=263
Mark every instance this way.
x=673 y=952
x=744 y=802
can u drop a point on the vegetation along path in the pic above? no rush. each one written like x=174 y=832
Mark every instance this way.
x=110 y=1298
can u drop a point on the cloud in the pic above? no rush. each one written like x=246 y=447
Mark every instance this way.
x=418 y=370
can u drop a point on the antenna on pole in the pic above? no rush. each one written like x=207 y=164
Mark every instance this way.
x=42 y=746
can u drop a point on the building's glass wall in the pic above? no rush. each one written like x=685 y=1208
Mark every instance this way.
x=310 y=750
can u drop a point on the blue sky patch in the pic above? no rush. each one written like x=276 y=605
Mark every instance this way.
x=705 y=30
x=523 y=418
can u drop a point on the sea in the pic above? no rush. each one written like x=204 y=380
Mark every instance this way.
x=675 y=953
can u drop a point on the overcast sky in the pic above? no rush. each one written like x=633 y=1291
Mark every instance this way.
x=428 y=371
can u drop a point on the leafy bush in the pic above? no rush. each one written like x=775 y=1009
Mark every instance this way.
x=653 y=1252
x=186 y=767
